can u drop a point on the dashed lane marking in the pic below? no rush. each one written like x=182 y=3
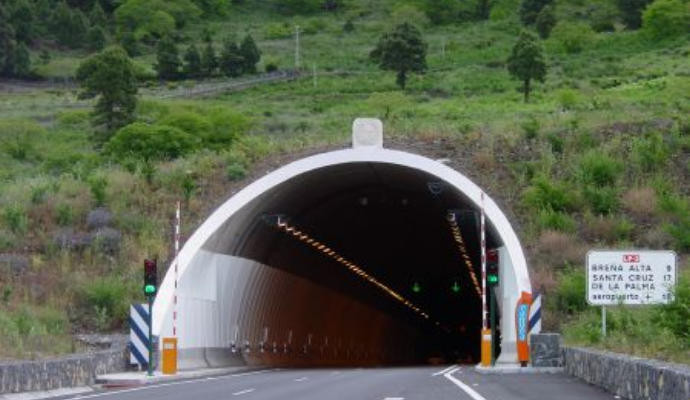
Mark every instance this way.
x=471 y=392
x=241 y=392
x=302 y=379
x=443 y=371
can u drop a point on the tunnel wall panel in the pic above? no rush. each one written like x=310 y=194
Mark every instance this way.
x=246 y=299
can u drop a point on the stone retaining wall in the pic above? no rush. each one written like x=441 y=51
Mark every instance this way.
x=632 y=378
x=70 y=371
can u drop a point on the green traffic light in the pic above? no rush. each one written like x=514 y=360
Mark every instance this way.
x=416 y=288
x=455 y=288
x=492 y=278
x=149 y=289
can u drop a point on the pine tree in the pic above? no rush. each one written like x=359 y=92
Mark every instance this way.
x=192 y=62
x=231 y=61
x=22 y=61
x=168 y=65
x=7 y=44
x=110 y=76
x=97 y=15
x=526 y=62
x=545 y=22
x=79 y=28
x=403 y=50
x=23 y=21
x=631 y=11
x=250 y=53
x=209 y=60
x=62 y=24
x=95 y=38
x=529 y=10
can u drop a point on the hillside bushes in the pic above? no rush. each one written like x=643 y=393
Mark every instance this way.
x=666 y=18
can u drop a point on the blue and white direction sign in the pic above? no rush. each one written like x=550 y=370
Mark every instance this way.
x=630 y=277
x=139 y=334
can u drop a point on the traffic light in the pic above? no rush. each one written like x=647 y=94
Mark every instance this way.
x=150 y=277
x=455 y=288
x=416 y=287
x=492 y=267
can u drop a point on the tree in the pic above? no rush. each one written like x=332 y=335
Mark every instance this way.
x=23 y=21
x=666 y=18
x=22 y=61
x=403 y=50
x=546 y=20
x=192 y=62
x=529 y=10
x=168 y=59
x=526 y=62
x=209 y=61
x=110 y=76
x=150 y=142
x=63 y=24
x=95 y=38
x=483 y=9
x=78 y=28
x=250 y=54
x=631 y=12
x=7 y=44
x=442 y=11
x=97 y=15
x=231 y=61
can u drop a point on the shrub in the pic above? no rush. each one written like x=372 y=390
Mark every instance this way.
x=236 y=171
x=568 y=99
x=650 y=153
x=17 y=138
x=530 y=127
x=228 y=127
x=602 y=200
x=278 y=30
x=547 y=194
x=38 y=193
x=64 y=215
x=640 y=202
x=15 y=218
x=598 y=169
x=676 y=315
x=349 y=26
x=556 y=141
x=410 y=14
x=546 y=20
x=151 y=142
x=189 y=122
x=603 y=18
x=666 y=18
x=570 y=296
x=105 y=297
x=548 y=219
x=97 y=186
x=573 y=37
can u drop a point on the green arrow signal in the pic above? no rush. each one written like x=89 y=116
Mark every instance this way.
x=416 y=288
x=455 y=288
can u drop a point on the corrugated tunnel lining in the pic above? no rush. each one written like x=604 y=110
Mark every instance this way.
x=389 y=219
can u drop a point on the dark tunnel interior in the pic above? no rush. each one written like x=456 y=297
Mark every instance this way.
x=392 y=222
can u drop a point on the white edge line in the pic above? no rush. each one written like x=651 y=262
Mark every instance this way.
x=474 y=395
x=116 y=392
x=443 y=371
x=241 y=392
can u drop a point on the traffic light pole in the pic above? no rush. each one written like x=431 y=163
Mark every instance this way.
x=494 y=335
x=150 y=363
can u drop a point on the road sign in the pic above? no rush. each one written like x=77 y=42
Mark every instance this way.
x=138 y=335
x=630 y=277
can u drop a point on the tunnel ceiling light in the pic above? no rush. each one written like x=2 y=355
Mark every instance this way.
x=283 y=226
x=457 y=236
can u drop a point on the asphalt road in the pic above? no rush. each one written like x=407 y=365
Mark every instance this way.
x=409 y=383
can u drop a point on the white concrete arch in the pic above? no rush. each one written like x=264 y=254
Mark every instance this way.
x=513 y=282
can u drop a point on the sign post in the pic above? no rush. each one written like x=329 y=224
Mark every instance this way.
x=629 y=277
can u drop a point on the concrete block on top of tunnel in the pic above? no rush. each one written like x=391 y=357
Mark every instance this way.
x=367 y=133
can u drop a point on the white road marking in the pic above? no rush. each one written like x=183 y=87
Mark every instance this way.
x=116 y=392
x=474 y=395
x=241 y=392
x=394 y=398
x=443 y=371
x=302 y=379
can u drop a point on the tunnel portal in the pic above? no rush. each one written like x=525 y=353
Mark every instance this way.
x=343 y=258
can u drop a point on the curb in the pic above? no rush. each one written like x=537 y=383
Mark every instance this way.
x=517 y=370
x=134 y=379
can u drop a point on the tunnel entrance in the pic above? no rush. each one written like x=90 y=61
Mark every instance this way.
x=355 y=257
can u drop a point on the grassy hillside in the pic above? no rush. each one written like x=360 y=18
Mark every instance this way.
x=600 y=157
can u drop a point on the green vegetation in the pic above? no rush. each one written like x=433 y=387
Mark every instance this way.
x=598 y=157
